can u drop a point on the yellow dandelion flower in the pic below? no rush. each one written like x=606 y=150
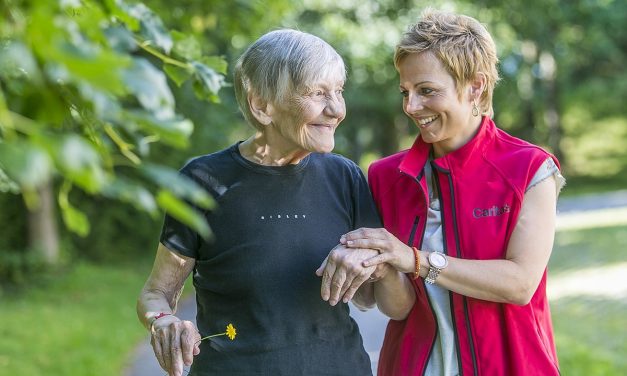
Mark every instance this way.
x=230 y=331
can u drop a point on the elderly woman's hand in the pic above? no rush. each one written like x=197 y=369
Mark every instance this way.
x=391 y=250
x=175 y=343
x=342 y=273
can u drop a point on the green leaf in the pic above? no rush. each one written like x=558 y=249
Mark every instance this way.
x=78 y=161
x=120 y=11
x=18 y=63
x=216 y=63
x=25 y=163
x=177 y=74
x=186 y=46
x=183 y=212
x=120 y=39
x=174 y=132
x=178 y=184
x=75 y=220
x=152 y=28
x=207 y=82
x=132 y=193
x=150 y=87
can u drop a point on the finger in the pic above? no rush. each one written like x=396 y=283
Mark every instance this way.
x=354 y=286
x=165 y=348
x=327 y=275
x=187 y=346
x=339 y=277
x=364 y=233
x=176 y=357
x=371 y=243
x=156 y=346
x=354 y=271
x=322 y=266
x=376 y=260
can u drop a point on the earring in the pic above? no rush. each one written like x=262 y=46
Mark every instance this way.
x=475 y=108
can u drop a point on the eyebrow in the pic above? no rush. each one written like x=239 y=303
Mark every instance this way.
x=418 y=84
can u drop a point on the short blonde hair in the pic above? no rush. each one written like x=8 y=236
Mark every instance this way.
x=461 y=43
x=280 y=64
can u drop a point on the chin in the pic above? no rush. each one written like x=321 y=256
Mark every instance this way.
x=326 y=148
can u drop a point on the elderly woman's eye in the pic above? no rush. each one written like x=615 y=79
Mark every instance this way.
x=426 y=91
x=405 y=93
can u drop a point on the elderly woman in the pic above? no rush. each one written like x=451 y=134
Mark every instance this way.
x=469 y=216
x=283 y=201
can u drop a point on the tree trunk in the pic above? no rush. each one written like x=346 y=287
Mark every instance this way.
x=43 y=237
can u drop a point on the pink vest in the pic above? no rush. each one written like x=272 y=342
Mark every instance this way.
x=481 y=186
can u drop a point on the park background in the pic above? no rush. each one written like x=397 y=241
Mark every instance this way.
x=101 y=102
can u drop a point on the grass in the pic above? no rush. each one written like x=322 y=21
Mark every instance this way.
x=80 y=323
x=590 y=331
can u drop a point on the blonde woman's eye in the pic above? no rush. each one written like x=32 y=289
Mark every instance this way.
x=426 y=91
x=405 y=93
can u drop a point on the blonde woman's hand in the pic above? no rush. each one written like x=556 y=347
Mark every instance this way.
x=391 y=250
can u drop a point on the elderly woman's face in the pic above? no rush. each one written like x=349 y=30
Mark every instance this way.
x=308 y=120
x=431 y=100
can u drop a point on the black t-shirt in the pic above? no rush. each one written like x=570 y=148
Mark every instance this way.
x=272 y=228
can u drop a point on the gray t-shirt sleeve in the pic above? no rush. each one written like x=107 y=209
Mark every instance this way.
x=546 y=170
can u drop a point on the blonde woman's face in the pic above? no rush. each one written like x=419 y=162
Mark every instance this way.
x=431 y=100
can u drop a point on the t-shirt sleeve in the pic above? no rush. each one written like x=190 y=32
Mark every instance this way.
x=546 y=170
x=176 y=235
x=365 y=210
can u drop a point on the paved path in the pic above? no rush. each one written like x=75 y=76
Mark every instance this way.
x=610 y=206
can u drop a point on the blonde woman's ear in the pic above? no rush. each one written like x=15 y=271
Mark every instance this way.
x=477 y=86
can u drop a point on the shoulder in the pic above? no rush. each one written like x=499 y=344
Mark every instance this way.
x=507 y=144
x=204 y=163
x=387 y=165
x=335 y=162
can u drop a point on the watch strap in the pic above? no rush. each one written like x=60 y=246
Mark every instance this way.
x=432 y=275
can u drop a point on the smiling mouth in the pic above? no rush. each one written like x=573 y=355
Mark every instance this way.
x=327 y=126
x=426 y=121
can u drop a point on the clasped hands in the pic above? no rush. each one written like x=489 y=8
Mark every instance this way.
x=363 y=255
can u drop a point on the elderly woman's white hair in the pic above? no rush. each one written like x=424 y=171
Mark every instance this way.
x=280 y=64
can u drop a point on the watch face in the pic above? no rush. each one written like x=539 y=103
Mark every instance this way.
x=437 y=260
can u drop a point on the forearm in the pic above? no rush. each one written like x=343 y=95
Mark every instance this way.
x=501 y=281
x=364 y=297
x=395 y=295
x=163 y=288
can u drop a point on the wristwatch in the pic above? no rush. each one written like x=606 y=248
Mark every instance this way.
x=437 y=262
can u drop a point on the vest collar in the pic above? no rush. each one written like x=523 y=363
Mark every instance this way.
x=416 y=157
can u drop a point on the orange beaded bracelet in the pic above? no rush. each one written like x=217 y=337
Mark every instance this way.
x=417 y=256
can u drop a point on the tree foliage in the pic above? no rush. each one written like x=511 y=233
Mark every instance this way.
x=84 y=97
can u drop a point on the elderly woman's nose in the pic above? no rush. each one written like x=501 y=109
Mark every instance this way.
x=335 y=106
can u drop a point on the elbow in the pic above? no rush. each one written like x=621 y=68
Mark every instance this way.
x=520 y=295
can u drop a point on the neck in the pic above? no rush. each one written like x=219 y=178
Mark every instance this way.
x=262 y=150
x=442 y=149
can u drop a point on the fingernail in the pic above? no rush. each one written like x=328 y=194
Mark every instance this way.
x=350 y=242
x=343 y=239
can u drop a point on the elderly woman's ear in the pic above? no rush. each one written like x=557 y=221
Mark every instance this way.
x=261 y=109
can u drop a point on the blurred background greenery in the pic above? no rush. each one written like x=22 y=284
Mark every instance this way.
x=101 y=101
